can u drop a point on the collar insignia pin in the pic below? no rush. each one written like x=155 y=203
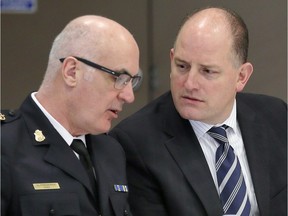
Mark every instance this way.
x=39 y=137
x=2 y=117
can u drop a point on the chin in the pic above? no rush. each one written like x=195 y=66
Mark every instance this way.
x=101 y=130
x=189 y=114
x=106 y=127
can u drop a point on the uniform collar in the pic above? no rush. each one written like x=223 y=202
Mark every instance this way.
x=59 y=128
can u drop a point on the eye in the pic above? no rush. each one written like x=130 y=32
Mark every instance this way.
x=207 y=71
x=123 y=79
x=182 y=67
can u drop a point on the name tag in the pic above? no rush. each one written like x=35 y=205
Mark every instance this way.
x=46 y=186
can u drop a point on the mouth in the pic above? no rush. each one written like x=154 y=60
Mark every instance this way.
x=115 y=111
x=192 y=99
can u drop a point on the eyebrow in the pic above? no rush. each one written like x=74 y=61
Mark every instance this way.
x=215 y=67
x=180 y=60
x=123 y=70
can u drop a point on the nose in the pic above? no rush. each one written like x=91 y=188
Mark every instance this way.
x=127 y=94
x=192 y=80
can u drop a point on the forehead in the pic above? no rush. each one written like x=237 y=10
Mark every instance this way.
x=206 y=26
x=203 y=36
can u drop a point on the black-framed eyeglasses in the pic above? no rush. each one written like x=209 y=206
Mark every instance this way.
x=122 y=78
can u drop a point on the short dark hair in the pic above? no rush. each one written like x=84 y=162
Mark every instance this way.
x=240 y=34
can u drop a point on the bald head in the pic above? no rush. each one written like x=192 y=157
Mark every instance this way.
x=211 y=23
x=89 y=33
x=91 y=37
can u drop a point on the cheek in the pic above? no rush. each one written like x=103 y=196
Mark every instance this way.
x=174 y=85
x=228 y=83
x=176 y=79
x=99 y=92
x=221 y=95
x=221 y=90
x=233 y=85
x=93 y=100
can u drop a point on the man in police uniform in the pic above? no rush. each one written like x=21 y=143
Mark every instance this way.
x=78 y=99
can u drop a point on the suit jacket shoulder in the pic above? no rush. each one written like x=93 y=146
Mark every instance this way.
x=7 y=116
x=265 y=110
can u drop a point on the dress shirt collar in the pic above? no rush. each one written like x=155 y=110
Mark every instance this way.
x=201 y=128
x=60 y=129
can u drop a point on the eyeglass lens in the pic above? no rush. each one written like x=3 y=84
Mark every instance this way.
x=124 y=79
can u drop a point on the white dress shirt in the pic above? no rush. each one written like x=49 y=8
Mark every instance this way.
x=209 y=147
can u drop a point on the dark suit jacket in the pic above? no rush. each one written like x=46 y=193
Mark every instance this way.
x=24 y=161
x=167 y=170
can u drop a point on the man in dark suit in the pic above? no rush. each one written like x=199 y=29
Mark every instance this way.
x=78 y=99
x=172 y=143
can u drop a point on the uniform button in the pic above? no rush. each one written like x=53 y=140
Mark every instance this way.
x=51 y=212
x=11 y=113
x=126 y=212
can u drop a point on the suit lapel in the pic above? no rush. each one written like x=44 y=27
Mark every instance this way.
x=96 y=157
x=108 y=173
x=256 y=141
x=187 y=153
x=58 y=152
x=99 y=155
x=61 y=156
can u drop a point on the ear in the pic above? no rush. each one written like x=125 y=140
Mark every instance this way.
x=171 y=59
x=171 y=54
x=69 y=69
x=245 y=72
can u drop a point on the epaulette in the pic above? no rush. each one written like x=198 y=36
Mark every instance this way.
x=8 y=116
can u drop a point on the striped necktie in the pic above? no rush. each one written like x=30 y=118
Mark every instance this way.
x=232 y=187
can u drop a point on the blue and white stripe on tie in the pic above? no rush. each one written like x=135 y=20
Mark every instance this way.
x=232 y=187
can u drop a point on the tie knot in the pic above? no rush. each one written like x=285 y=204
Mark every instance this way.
x=219 y=134
x=79 y=147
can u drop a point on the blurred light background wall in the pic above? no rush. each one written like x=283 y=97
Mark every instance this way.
x=26 y=39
